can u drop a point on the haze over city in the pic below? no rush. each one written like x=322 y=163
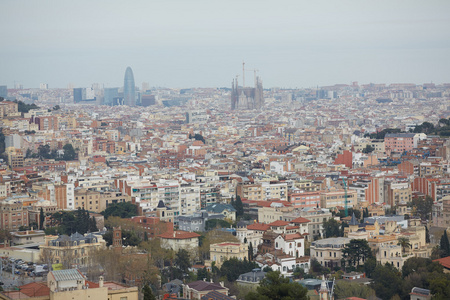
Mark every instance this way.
x=203 y=43
x=225 y=150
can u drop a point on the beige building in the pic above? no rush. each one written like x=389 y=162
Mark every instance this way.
x=328 y=252
x=392 y=253
x=270 y=214
x=15 y=157
x=12 y=213
x=70 y=250
x=27 y=237
x=224 y=251
x=96 y=201
x=337 y=198
x=178 y=239
x=70 y=284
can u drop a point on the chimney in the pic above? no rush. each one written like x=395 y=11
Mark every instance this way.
x=100 y=281
x=79 y=285
x=221 y=284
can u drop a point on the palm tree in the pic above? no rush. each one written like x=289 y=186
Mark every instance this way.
x=404 y=242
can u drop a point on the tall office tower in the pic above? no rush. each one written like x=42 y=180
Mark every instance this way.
x=3 y=91
x=79 y=94
x=109 y=94
x=129 y=95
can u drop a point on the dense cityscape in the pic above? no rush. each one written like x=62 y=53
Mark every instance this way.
x=240 y=192
x=218 y=150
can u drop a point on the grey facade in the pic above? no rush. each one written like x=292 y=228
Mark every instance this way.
x=109 y=94
x=3 y=91
x=129 y=93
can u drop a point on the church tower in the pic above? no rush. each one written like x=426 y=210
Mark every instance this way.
x=117 y=238
x=323 y=291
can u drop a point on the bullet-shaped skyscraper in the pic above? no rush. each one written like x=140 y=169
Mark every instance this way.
x=129 y=94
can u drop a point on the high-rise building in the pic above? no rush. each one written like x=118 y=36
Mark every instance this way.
x=85 y=95
x=79 y=94
x=3 y=91
x=129 y=93
x=109 y=94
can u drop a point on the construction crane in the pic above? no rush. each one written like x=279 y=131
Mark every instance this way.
x=345 y=197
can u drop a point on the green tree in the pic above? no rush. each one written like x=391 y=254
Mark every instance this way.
x=69 y=152
x=345 y=289
x=298 y=272
x=24 y=108
x=369 y=266
x=183 y=261
x=420 y=265
x=386 y=281
x=234 y=267
x=41 y=219
x=368 y=149
x=239 y=206
x=356 y=251
x=92 y=225
x=203 y=274
x=331 y=228
x=148 y=293
x=444 y=245
x=275 y=287
x=423 y=206
x=44 y=152
x=124 y=210
x=250 y=252
x=213 y=223
x=404 y=243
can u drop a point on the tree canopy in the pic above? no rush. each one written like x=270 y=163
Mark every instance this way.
x=356 y=251
x=331 y=228
x=123 y=209
x=422 y=206
x=234 y=267
x=276 y=287
x=65 y=222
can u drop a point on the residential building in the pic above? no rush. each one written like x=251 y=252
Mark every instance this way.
x=328 y=252
x=221 y=252
x=71 y=250
x=197 y=289
x=12 y=213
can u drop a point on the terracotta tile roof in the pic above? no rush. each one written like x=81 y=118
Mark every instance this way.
x=445 y=262
x=35 y=289
x=258 y=226
x=300 y=220
x=292 y=227
x=293 y=236
x=179 y=235
x=279 y=223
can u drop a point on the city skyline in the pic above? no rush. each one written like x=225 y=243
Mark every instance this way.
x=295 y=44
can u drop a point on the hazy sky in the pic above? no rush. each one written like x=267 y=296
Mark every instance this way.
x=203 y=43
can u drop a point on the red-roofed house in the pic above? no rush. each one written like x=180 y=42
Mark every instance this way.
x=302 y=223
x=251 y=234
x=445 y=262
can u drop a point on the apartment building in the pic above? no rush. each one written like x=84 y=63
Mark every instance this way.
x=335 y=198
x=12 y=213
